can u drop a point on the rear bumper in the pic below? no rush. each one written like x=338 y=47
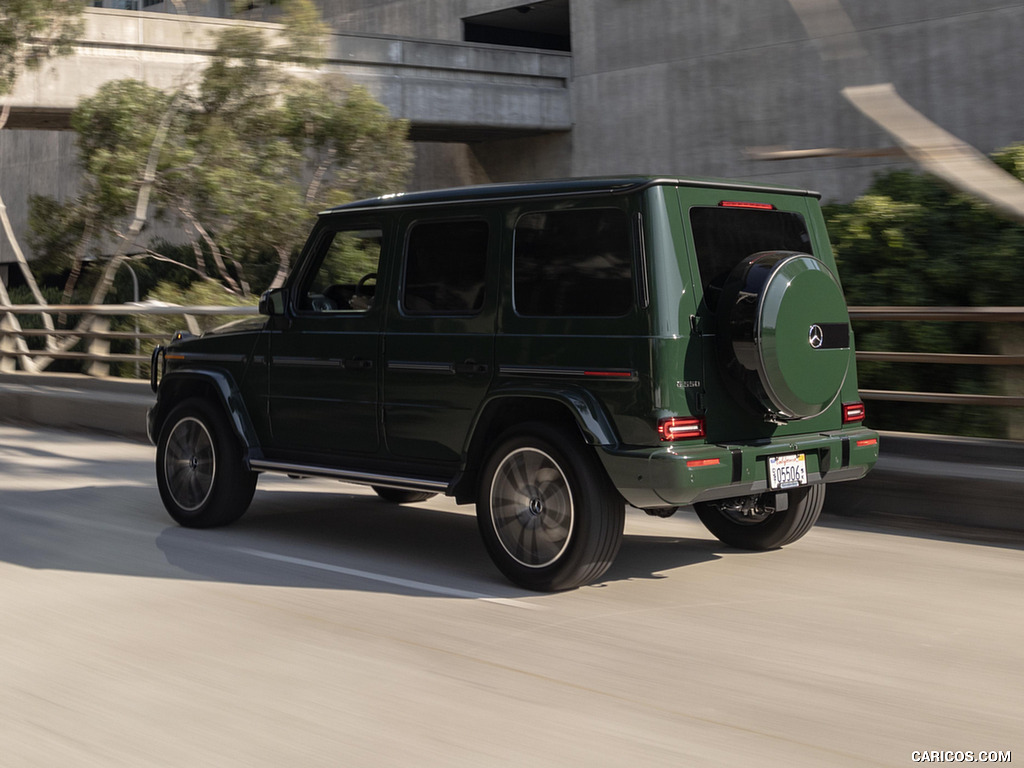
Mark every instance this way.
x=681 y=474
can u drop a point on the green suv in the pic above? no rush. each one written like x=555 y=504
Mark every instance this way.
x=549 y=351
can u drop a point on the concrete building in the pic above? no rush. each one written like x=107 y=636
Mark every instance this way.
x=703 y=87
x=690 y=87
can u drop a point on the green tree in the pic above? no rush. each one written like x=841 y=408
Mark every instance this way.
x=33 y=30
x=911 y=240
x=30 y=32
x=242 y=164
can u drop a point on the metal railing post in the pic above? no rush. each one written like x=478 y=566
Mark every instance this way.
x=8 y=362
x=1009 y=342
x=98 y=348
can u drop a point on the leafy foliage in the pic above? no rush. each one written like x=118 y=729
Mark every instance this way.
x=913 y=241
x=33 y=30
x=250 y=154
x=202 y=293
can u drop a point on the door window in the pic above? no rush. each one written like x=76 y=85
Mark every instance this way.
x=444 y=268
x=346 y=278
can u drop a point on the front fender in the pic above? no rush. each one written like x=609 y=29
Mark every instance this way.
x=217 y=385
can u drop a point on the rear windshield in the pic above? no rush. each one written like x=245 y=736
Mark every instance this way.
x=723 y=237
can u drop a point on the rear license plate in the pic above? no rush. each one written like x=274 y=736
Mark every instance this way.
x=787 y=471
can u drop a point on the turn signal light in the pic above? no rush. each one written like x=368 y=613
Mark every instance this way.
x=853 y=412
x=676 y=428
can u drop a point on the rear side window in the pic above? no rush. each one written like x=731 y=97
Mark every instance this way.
x=723 y=237
x=575 y=263
x=445 y=267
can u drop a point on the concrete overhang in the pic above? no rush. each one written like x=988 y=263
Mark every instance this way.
x=448 y=91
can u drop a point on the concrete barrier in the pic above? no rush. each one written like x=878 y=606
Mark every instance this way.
x=951 y=480
x=919 y=479
x=69 y=401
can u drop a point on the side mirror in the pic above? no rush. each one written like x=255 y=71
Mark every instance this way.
x=272 y=302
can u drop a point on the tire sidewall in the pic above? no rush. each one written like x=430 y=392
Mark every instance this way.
x=232 y=485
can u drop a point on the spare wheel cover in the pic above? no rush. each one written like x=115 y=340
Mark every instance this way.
x=802 y=337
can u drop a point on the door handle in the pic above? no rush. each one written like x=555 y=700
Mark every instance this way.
x=356 y=363
x=470 y=367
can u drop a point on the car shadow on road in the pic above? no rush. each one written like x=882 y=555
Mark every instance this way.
x=337 y=540
x=361 y=542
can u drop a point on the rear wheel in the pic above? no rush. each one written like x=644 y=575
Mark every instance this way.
x=401 y=495
x=202 y=479
x=763 y=521
x=548 y=514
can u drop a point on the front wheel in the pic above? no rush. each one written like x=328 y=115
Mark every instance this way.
x=199 y=470
x=766 y=521
x=548 y=515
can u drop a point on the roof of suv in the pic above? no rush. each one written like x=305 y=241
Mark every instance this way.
x=581 y=186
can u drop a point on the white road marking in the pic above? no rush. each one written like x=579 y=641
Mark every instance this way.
x=420 y=586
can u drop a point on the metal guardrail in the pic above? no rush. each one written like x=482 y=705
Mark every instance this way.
x=96 y=333
x=1007 y=315
x=97 y=337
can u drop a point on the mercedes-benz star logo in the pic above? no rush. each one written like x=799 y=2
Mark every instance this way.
x=816 y=336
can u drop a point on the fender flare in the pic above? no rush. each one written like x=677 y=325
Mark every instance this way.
x=585 y=411
x=590 y=416
x=228 y=397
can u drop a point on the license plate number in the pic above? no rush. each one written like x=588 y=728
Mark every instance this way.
x=787 y=471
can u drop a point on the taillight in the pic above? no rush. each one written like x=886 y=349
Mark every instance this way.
x=853 y=412
x=677 y=428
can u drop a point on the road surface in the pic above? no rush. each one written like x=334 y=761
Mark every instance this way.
x=327 y=628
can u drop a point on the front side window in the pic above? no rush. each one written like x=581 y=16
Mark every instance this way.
x=723 y=237
x=346 y=279
x=445 y=265
x=573 y=263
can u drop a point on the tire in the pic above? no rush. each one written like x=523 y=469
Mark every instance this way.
x=400 y=495
x=202 y=479
x=749 y=522
x=548 y=514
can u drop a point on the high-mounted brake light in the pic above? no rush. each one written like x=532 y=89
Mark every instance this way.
x=853 y=412
x=676 y=428
x=751 y=206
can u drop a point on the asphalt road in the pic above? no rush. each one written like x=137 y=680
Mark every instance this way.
x=327 y=628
